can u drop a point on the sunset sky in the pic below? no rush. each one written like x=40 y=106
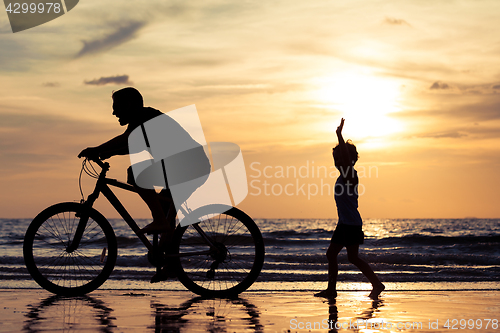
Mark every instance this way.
x=418 y=83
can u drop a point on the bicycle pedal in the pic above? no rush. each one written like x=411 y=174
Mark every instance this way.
x=211 y=274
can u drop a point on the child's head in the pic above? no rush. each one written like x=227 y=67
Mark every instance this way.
x=351 y=148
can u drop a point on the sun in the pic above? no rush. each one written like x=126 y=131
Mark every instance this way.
x=365 y=101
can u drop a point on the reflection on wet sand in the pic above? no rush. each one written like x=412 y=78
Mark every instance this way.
x=177 y=311
x=207 y=315
x=69 y=314
x=372 y=311
x=366 y=315
x=333 y=315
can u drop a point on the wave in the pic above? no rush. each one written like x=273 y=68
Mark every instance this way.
x=304 y=260
x=319 y=273
x=417 y=239
x=391 y=258
x=125 y=242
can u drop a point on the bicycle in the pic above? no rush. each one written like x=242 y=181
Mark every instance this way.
x=70 y=248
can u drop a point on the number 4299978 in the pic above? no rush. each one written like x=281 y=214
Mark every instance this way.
x=455 y=324
x=32 y=8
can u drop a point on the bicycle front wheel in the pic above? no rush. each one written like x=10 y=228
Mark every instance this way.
x=233 y=265
x=57 y=270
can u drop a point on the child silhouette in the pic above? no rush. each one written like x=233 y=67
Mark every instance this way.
x=348 y=232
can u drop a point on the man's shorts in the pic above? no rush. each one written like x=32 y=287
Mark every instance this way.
x=182 y=193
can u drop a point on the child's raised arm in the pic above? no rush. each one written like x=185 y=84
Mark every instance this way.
x=345 y=159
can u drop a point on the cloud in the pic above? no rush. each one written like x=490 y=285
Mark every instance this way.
x=34 y=141
x=439 y=85
x=496 y=86
x=15 y=56
x=395 y=21
x=122 y=35
x=486 y=110
x=446 y=135
x=51 y=84
x=478 y=131
x=118 y=79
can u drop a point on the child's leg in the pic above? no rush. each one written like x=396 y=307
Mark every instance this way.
x=333 y=271
x=333 y=266
x=352 y=255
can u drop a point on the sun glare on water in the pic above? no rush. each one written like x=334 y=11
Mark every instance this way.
x=366 y=103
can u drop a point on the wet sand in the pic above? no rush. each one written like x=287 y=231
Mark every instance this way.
x=35 y=310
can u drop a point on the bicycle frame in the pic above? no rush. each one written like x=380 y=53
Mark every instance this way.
x=102 y=186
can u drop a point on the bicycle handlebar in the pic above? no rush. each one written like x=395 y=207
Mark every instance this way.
x=99 y=162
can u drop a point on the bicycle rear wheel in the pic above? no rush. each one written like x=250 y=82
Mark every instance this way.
x=78 y=272
x=236 y=262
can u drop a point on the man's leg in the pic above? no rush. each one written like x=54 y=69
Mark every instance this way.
x=353 y=256
x=152 y=200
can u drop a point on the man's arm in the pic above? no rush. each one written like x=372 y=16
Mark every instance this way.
x=116 y=146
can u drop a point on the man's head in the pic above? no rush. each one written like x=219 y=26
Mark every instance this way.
x=126 y=102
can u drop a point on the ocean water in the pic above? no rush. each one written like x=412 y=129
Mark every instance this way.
x=444 y=251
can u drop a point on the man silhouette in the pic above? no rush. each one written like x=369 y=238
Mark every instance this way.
x=128 y=107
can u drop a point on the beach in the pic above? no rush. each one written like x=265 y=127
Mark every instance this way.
x=441 y=276
x=36 y=310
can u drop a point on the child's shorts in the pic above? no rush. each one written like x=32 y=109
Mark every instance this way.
x=348 y=235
